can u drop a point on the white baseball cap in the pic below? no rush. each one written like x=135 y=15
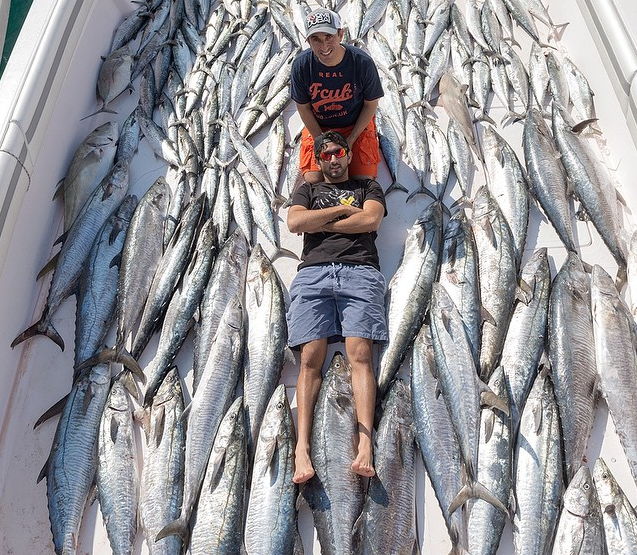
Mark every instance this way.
x=322 y=20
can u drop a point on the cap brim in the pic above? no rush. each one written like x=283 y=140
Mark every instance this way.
x=322 y=29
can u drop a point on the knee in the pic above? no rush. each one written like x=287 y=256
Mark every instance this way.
x=359 y=353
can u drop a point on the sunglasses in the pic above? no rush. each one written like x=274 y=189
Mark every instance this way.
x=326 y=155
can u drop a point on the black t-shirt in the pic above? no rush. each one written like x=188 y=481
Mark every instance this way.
x=335 y=93
x=348 y=248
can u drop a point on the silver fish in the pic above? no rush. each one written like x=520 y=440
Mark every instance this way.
x=271 y=516
x=209 y=404
x=266 y=339
x=436 y=436
x=333 y=447
x=618 y=515
x=538 y=482
x=388 y=513
x=181 y=309
x=526 y=335
x=498 y=276
x=76 y=248
x=495 y=471
x=218 y=521
x=546 y=176
x=463 y=392
x=71 y=465
x=613 y=331
x=162 y=478
x=409 y=289
x=117 y=471
x=580 y=528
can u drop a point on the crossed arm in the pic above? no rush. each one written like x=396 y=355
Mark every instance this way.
x=357 y=220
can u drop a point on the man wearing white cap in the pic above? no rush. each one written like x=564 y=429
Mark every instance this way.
x=336 y=87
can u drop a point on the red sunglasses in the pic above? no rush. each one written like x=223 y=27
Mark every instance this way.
x=326 y=155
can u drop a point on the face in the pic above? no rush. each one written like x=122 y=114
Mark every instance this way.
x=334 y=169
x=326 y=47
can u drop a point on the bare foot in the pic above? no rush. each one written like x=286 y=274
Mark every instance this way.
x=303 y=469
x=363 y=465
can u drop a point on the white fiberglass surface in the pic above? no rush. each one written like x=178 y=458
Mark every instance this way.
x=37 y=374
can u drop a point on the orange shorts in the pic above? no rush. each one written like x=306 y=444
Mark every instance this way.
x=365 y=151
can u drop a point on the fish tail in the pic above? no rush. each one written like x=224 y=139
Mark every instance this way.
x=113 y=354
x=395 y=186
x=42 y=327
x=102 y=110
x=475 y=490
x=175 y=528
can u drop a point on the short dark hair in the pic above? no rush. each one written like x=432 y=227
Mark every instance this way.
x=329 y=137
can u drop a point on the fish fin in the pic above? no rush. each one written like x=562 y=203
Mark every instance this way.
x=490 y=399
x=114 y=429
x=524 y=291
x=281 y=251
x=50 y=265
x=175 y=528
x=41 y=327
x=395 y=186
x=59 y=189
x=357 y=530
x=44 y=471
x=289 y=356
x=489 y=423
x=51 y=412
x=487 y=317
x=475 y=490
x=421 y=191
x=102 y=110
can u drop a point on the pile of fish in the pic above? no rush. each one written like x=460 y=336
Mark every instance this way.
x=493 y=368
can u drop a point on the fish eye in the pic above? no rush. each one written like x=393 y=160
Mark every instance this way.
x=279 y=405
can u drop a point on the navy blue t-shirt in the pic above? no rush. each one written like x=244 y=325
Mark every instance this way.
x=336 y=93
x=347 y=248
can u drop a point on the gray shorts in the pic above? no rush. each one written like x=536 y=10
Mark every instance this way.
x=335 y=301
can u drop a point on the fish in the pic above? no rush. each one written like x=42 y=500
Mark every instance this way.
x=485 y=522
x=91 y=162
x=454 y=101
x=408 y=291
x=171 y=266
x=214 y=395
x=386 y=523
x=241 y=207
x=97 y=287
x=592 y=184
x=618 y=515
x=435 y=436
x=547 y=179
x=579 y=89
x=459 y=276
x=437 y=18
x=162 y=475
x=140 y=255
x=580 y=528
x=463 y=392
x=506 y=180
x=219 y=518
x=181 y=309
x=227 y=279
x=573 y=356
x=72 y=463
x=271 y=516
x=417 y=150
x=526 y=337
x=266 y=341
x=391 y=149
x=439 y=156
x=614 y=340
x=335 y=493
x=114 y=77
x=497 y=273
x=538 y=475
x=461 y=158
x=117 y=470
x=76 y=248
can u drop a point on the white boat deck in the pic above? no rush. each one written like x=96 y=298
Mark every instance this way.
x=49 y=86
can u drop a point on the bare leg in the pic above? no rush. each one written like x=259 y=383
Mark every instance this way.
x=359 y=355
x=307 y=390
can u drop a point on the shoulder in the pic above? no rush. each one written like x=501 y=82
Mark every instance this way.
x=302 y=58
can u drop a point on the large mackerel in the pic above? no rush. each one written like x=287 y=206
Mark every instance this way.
x=71 y=465
x=409 y=290
x=335 y=493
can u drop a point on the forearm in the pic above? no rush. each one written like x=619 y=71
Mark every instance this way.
x=361 y=222
x=308 y=119
x=312 y=221
x=366 y=115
